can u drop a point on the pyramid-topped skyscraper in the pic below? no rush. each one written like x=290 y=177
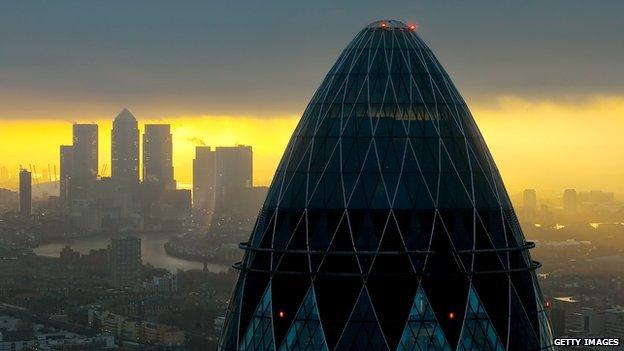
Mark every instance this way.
x=387 y=225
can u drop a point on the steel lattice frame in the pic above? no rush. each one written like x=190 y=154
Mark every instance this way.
x=387 y=225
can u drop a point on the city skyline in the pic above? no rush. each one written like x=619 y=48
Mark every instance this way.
x=530 y=86
x=321 y=175
x=185 y=138
x=520 y=148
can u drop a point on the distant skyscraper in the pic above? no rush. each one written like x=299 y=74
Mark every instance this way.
x=158 y=155
x=203 y=182
x=529 y=203
x=570 y=204
x=387 y=225
x=85 y=151
x=234 y=172
x=25 y=193
x=125 y=149
x=125 y=261
x=85 y=160
x=66 y=163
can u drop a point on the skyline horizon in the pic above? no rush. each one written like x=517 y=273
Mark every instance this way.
x=533 y=107
x=540 y=140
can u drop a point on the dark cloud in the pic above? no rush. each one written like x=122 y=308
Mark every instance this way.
x=267 y=57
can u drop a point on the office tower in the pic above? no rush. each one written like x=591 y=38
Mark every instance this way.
x=234 y=172
x=158 y=155
x=125 y=149
x=570 y=204
x=203 y=183
x=85 y=160
x=125 y=261
x=613 y=323
x=25 y=193
x=179 y=202
x=387 y=225
x=529 y=203
x=66 y=163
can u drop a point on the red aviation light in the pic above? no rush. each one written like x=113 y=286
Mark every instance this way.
x=281 y=314
x=451 y=315
x=412 y=26
x=383 y=25
x=547 y=304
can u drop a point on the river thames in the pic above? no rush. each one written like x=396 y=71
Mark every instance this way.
x=152 y=251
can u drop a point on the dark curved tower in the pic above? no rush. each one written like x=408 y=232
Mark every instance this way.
x=387 y=225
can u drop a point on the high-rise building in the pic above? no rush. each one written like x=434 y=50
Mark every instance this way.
x=613 y=322
x=529 y=203
x=25 y=193
x=125 y=149
x=66 y=163
x=387 y=225
x=84 y=161
x=570 y=203
x=234 y=172
x=158 y=155
x=125 y=261
x=203 y=183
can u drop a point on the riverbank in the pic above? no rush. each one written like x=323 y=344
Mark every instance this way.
x=174 y=251
x=152 y=251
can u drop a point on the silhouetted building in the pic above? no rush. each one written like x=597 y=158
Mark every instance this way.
x=85 y=145
x=178 y=202
x=69 y=255
x=234 y=172
x=529 y=203
x=25 y=193
x=614 y=322
x=125 y=149
x=158 y=155
x=203 y=183
x=570 y=203
x=125 y=261
x=387 y=225
x=84 y=160
x=66 y=165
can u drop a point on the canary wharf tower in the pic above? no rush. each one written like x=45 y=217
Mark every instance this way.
x=387 y=225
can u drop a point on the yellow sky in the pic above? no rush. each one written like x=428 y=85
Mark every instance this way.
x=546 y=145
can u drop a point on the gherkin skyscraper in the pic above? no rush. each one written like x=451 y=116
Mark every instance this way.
x=387 y=225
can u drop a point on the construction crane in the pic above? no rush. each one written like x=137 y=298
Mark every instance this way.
x=34 y=176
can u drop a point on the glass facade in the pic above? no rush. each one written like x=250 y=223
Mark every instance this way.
x=387 y=225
